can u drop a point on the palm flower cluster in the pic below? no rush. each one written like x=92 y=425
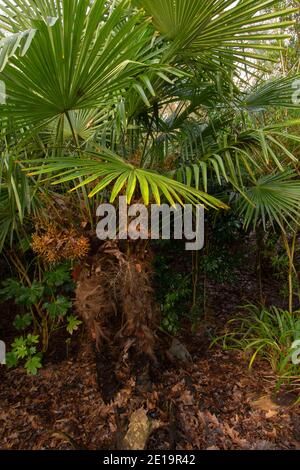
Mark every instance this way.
x=55 y=244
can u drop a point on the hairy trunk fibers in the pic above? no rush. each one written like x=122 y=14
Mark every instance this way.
x=115 y=298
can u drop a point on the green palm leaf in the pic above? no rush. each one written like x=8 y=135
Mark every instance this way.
x=221 y=27
x=274 y=198
x=278 y=92
x=104 y=168
x=85 y=58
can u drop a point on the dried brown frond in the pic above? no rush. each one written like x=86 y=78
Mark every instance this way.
x=55 y=244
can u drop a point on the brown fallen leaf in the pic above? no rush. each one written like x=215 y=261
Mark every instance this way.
x=271 y=414
x=266 y=404
x=187 y=398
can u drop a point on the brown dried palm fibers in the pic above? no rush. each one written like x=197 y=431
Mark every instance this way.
x=115 y=298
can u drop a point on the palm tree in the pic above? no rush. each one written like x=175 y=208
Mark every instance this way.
x=157 y=100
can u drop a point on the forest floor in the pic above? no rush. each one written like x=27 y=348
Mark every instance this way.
x=213 y=402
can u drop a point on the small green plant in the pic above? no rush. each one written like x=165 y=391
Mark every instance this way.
x=218 y=266
x=44 y=307
x=24 y=348
x=172 y=307
x=268 y=333
x=22 y=321
x=218 y=260
x=174 y=289
x=73 y=323
x=280 y=264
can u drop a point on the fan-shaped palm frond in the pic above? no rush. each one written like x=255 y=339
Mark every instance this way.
x=85 y=58
x=238 y=158
x=80 y=125
x=274 y=198
x=277 y=92
x=228 y=29
x=105 y=168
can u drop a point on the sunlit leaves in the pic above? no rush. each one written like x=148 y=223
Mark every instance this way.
x=226 y=29
x=106 y=170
